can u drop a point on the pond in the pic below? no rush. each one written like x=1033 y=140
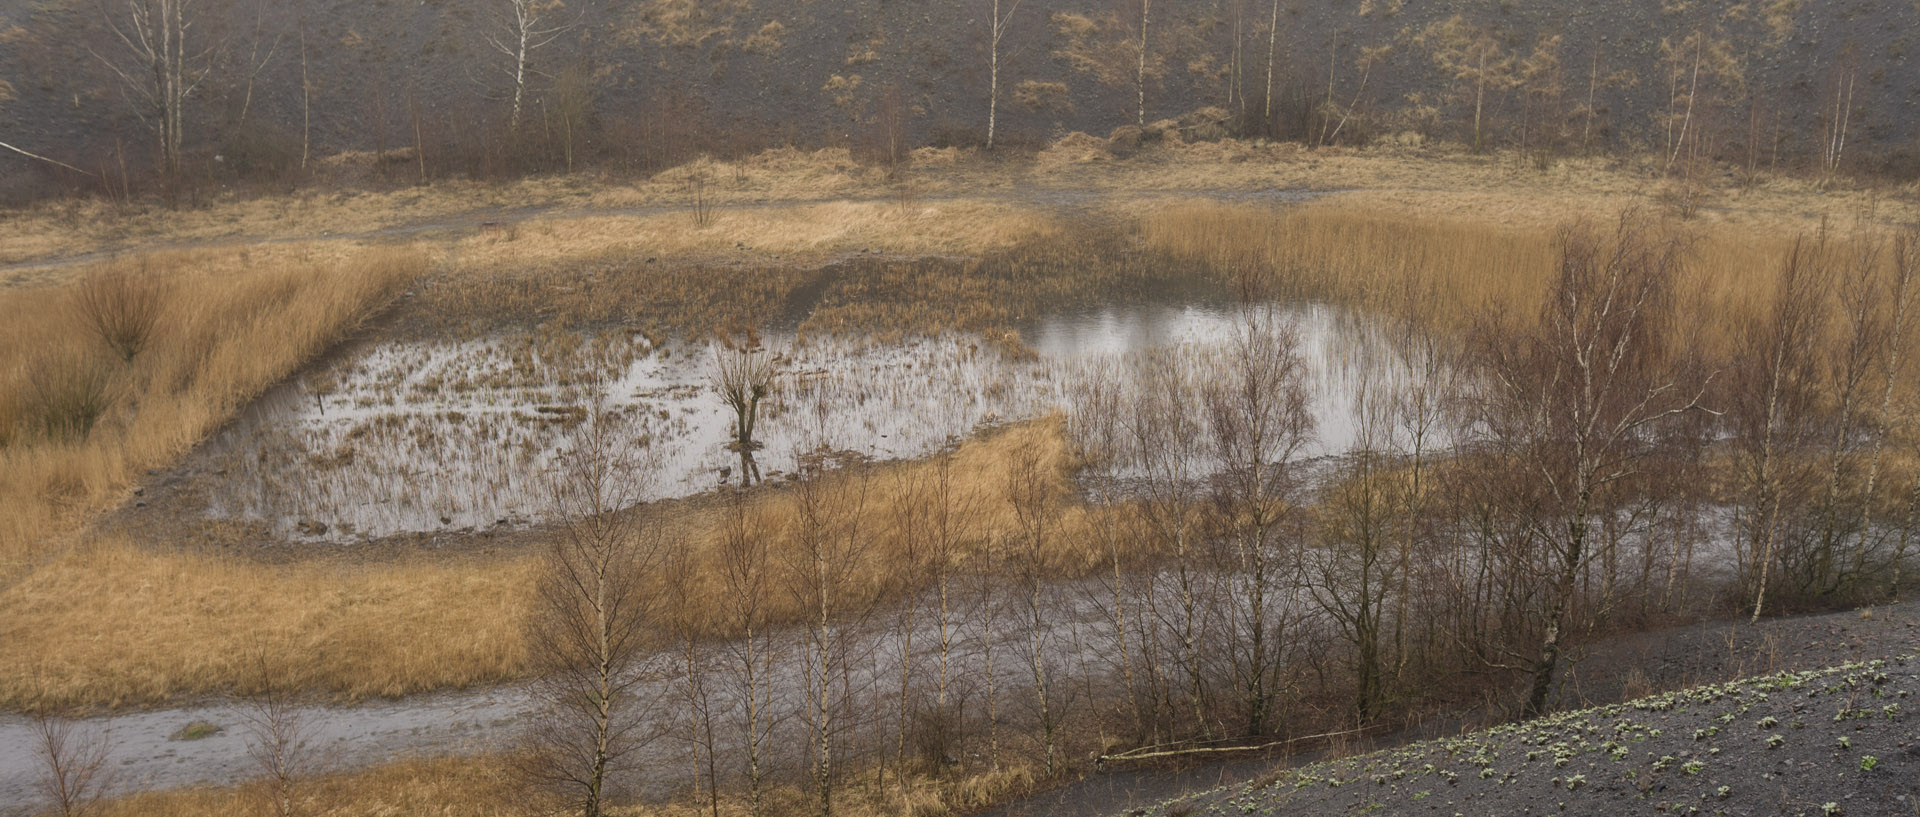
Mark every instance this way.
x=459 y=436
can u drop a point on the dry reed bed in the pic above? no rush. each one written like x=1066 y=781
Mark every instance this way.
x=1450 y=274
x=225 y=332
x=793 y=233
x=488 y=786
x=438 y=787
x=115 y=624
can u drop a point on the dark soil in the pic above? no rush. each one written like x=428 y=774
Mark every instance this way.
x=1804 y=715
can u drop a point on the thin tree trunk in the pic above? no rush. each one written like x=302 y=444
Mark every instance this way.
x=1140 y=79
x=1273 y=36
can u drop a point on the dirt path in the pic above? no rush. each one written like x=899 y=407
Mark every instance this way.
x=147 y=754
x=460 y=224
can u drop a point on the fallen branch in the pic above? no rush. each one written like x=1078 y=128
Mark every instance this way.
x=1145 y=755
x=32 y=155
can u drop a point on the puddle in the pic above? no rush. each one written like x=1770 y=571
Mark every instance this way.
x=445 y=436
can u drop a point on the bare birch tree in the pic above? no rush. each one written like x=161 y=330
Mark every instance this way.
x=1848 y=364
x=160 y=66
x=1140 y=75
x=825 y=545
x=1837 y=113
x=998 y=29
x=1256 y=405
x=1353 y=578
x=745 y=581
x=1273 y=40
x=596 y=615
x=1902 y=295
x=524 y=27
x=1775 y=389
x=1167 y=440
x=1473 y=58
x=1578 y=399
x=1032 y=495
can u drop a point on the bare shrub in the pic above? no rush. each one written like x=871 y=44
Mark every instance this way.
x=73 y=765
x=277 y=735
x=121 y=306
x=702 y=203
x=68 y=394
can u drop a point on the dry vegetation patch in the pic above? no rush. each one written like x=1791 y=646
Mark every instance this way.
x=1448 y=272
x=794 y=233
x=114 y=624
x=222 y=332
x=1505 y=186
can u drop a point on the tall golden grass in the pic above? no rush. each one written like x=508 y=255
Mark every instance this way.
x=227 y=332
x=1448 y=272
x=481 y=786
x=487 y=786
x=115 y=624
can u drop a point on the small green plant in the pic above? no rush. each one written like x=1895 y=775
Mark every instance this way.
x=1776 y=742
x=1844 y=741
x=1769 y=722
x=1867 y=763
x=196 y=730
x=1830 y=809
x=1723 y=792
x=1693 y=766
x=1575 y=782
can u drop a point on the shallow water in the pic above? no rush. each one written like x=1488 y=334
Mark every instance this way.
x=445 y=436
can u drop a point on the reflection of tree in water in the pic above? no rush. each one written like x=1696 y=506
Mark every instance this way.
x=744 y=377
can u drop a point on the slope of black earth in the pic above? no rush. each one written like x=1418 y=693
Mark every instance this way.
x=1836 y=740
